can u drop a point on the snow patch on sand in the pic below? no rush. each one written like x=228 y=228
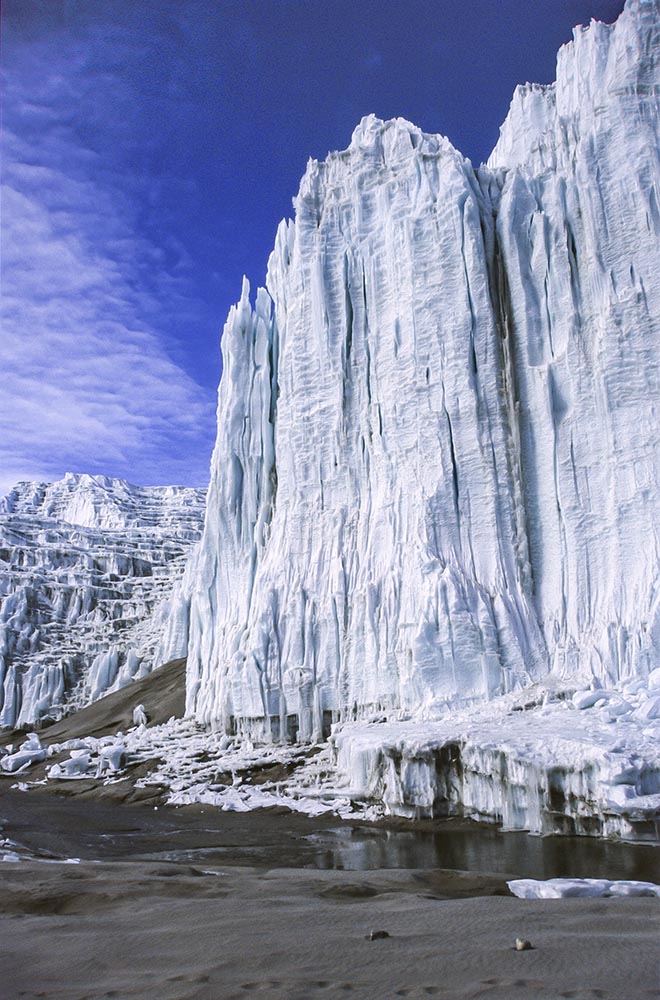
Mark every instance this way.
x=572 y=888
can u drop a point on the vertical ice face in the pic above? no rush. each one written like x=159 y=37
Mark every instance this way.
x=578 y=231
x=362 y=546
x=222 y=575
x=437 y=461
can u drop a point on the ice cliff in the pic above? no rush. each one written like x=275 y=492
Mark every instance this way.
x=436 y=472
x=86 y=567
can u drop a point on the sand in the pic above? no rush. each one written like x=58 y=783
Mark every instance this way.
x=245 y=919
x=197 y=904
x=153 y=930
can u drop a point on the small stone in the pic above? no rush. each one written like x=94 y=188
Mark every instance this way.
x=378 y=935
x=522 y=945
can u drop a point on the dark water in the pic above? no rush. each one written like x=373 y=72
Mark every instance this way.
x=477 y=849
x=50 y=825
x=485 y=849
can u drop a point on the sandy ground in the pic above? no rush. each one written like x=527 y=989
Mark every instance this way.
x=176 y=932
x=196 y=904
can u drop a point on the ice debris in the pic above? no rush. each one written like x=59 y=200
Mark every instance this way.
x=30 y=752
x=550 y=768
x=565 y=888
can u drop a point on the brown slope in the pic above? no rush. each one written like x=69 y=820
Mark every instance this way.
x=162 y=692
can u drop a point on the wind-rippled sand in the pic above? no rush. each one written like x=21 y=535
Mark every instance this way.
x=137 y=924
x=173 y=931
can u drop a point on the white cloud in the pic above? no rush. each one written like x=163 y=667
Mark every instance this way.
x=87 y=378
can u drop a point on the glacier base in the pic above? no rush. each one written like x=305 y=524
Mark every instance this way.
x=547 y=760
x=553 y=769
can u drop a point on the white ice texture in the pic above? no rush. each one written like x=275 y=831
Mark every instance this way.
x=434 y=508
x=567 y=888
x=436 y=473
x=86 y=568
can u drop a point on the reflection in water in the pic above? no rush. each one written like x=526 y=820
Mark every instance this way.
x=484 y=849
x=55 y=826
x=475 y=849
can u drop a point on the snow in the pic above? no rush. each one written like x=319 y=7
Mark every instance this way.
x=87 y=565
x=565 y=888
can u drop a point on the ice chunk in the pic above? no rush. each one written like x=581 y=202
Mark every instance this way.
x=78 y=764
x=30 y=752
x=649 y=709
x=112 y=757
x=139 y=716
x=563 y=888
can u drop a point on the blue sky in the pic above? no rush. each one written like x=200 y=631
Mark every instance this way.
x=151 y=148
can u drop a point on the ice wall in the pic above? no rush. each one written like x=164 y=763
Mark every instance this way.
x=363 y=548
x=86 y=569
x=435 y=477
x=578 y=238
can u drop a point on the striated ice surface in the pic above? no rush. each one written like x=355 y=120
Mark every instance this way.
x=364 y=544
x=435 y=480
x=86 y=568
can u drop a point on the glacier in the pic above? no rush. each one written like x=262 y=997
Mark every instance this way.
x=435 y=479
x=87 y=566
x=435 y=476
x=431 y=531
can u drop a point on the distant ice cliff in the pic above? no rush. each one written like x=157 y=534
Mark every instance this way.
x=86 y=566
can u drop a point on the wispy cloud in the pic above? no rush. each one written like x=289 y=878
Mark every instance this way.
x=90 y=380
